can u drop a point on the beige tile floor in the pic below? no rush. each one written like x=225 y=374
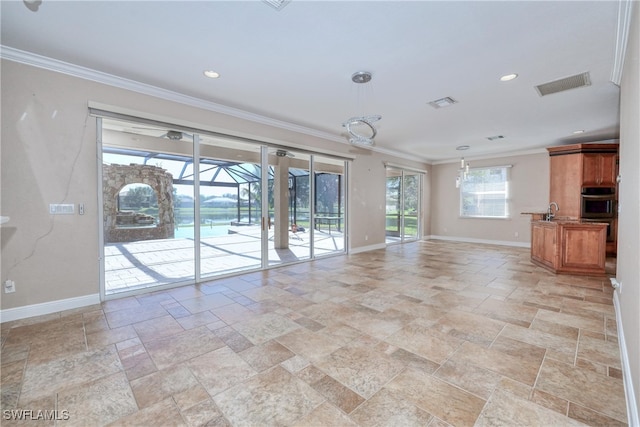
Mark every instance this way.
x=425 y=334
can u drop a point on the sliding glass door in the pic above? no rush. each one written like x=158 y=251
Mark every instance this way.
x=183 y=207
x=393 y=222
x=410 y=205
x=288 y=190
x=230 y=206
x=329 y=202
x=403 y=206
x=148 y=208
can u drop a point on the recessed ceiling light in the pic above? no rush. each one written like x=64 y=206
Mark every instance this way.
x=211 y=74
x=575 y=132
x=462 y=147
x=508 y=77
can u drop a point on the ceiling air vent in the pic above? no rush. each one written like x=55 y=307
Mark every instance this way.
x=443 y=102
x=277 y=4
x=561 y=85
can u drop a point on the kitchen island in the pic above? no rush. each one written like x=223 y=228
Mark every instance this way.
x=569 y=246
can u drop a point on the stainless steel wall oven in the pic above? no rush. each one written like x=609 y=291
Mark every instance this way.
x=598 y=203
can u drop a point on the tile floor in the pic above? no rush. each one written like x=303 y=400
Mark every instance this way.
x=427 y=334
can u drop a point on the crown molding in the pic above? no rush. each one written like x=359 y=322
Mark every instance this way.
x=400 y=155
x=58 y=66
x=494 y=156
x=55 y=65
x=622 y=36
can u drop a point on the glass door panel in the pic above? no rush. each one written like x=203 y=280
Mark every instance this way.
x=329 y=207
x=411 y=206
x=393 y=224
x=288 y=200
x=403 y=205
x=230 y=206
x=148 y=206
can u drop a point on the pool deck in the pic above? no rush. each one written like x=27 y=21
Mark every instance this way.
x=144 y=264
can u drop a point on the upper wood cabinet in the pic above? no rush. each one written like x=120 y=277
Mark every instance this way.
x=566 y=184
x=576 y=166
x=599 y=169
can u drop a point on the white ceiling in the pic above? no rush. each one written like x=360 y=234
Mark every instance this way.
x=295 y=64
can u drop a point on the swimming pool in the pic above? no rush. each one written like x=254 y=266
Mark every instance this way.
x=206 y=230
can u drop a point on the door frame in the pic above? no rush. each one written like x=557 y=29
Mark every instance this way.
x=401 y=197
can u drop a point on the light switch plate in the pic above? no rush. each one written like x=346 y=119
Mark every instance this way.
x=61 y=209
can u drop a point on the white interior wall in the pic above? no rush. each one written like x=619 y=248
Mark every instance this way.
x=628 y=272
x=528 y=188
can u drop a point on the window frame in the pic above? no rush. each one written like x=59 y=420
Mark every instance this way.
x=506 y=199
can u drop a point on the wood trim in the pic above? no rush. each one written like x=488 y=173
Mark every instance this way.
x=583 y=148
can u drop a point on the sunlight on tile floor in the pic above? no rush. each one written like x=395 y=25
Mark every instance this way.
x=422 y=334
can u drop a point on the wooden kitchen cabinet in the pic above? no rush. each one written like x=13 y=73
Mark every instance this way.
x=576 y=241
x=566 y=184
x=599 y=169
x=543 y=243
x=576 y=167
x=571 y=247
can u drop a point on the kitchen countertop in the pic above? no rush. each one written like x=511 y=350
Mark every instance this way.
x=571 y=221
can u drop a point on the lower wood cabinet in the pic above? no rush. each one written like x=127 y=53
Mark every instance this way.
x=570 y=247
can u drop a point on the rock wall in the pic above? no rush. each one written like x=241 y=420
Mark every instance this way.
x=114 y=178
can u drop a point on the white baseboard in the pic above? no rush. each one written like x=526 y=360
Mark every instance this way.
x=485 y=241
x=23 y=312
x=367 y=248
x=632 y=406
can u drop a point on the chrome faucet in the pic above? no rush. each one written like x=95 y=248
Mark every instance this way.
x=550 y=214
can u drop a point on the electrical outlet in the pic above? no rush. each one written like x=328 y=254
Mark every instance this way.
x=516 y=234
x=9 y=286
x=616 y=285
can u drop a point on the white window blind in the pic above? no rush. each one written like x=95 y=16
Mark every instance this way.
x=484 y=193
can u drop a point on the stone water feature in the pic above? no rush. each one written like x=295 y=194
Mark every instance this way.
x=126 y=226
